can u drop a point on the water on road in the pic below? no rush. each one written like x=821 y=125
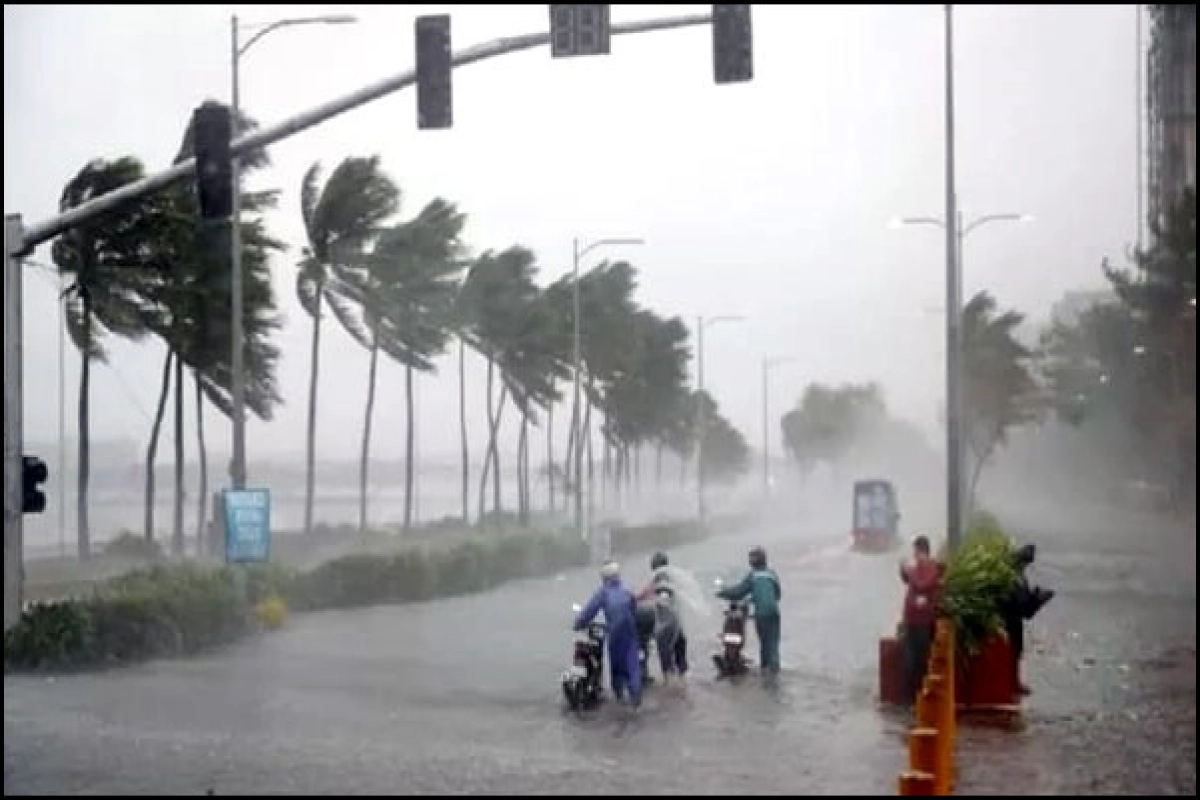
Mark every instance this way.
x=462 y=696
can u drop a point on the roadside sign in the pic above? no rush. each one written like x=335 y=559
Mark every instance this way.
x=247 y=525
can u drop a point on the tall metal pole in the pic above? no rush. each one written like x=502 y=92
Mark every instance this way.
x=62 y=423
x=576 y=360
x=766 y=366
x=237 y=471
x=13 y=388
x=1141 y=186
x=700 y=418
x=954 y=454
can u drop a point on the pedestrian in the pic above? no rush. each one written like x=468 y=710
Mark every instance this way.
x=1021 y=605
x=669 y=635
x=619 y=607
x=922 y=578
x=762 y=586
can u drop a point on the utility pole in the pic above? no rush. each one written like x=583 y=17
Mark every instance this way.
x=954 y=453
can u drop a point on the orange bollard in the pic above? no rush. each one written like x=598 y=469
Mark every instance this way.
x=923 y=750
x=937 y=710
x=916 y=784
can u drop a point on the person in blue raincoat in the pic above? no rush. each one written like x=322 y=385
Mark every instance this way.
x=762 y=584
x=619 y=607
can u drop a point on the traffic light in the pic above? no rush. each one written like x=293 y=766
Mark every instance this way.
x=579 y=30
x=212 y=130
x=33 y=474
x=435 y=106
x=733 y=44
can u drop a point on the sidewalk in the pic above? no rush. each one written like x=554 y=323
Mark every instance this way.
x=1111 y=662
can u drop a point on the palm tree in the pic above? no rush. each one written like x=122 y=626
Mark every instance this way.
x=999 y=388
x=340 y=220
x=105 y=263
x=191 y=313
x=410 y=280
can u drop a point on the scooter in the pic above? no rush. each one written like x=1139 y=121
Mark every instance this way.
x=730 y=660
x=582 y=681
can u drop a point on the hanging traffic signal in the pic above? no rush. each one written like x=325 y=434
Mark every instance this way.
x=435 y=106
x=33 y=475
x=579 y=30
x=212 y=131
x=733 y=44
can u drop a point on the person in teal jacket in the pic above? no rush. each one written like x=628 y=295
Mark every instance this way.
x=762 y=585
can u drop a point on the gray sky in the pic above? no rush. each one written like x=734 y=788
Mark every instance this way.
x=770 y=199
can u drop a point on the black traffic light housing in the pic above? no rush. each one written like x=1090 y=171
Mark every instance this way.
x=212 y=133
x=579 y=29
x=33 y=474
x=733 y=44
x=435 y=96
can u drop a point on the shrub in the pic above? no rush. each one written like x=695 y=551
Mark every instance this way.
x=979 y=578
x=172 y=610
x=271 y=612
x=129 y=545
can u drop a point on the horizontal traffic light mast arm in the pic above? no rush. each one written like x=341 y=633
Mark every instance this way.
x=44 y=231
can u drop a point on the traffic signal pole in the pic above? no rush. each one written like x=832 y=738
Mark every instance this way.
x=20 y=242
x=13 y=445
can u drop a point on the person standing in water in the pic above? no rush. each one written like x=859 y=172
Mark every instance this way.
x=668 y=624
x=762 y=585
x=619 y=607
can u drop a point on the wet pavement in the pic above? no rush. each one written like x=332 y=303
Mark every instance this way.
x=1112 y=666
x=462 y=695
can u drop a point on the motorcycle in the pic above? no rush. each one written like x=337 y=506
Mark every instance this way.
x=731 y=660
x=582 y=681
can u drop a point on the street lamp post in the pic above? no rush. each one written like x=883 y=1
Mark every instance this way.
x=237 y=302
x=701 y=418
x=956 y=235
x=768 y=364
x=577 y=363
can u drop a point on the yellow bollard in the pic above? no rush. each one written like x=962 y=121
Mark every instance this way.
x=916 y=784
x=936 y=711
x=945 y=631
x=923 y=750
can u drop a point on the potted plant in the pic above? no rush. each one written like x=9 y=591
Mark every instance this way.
x=978 y=580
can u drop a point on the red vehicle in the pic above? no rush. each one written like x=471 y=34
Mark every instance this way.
x=876 y=525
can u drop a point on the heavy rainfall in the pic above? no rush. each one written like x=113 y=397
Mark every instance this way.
x=610 y=399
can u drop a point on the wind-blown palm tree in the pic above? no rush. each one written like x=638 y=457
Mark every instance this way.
x=340 y=220
x=409 y=283
x=106 y=265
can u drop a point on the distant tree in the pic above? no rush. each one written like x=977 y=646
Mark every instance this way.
x=825 y=424
x=1000 y=392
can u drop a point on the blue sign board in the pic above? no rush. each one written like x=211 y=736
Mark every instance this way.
x=247 y=525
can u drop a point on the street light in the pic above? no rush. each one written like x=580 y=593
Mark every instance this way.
x=701 y=421
x=577 y=358
x=768 y=365
x=238 y=365
x=954 y=301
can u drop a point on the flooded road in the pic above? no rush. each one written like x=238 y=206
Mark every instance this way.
x=462 y=696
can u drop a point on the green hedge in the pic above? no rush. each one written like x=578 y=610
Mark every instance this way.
x=168 y=611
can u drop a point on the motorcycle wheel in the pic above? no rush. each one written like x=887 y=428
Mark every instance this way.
x=575 y=693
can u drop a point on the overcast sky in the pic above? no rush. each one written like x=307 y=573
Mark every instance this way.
x=769 y=200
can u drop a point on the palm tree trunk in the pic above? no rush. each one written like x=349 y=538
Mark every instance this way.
x=409 y=443
x=152 y=448
x=202 y=453
x=658 y=453
x=487 y=450
x=550 y=450
x=497 y=506
x=83 y=542
x=569 y=465
x=177 y=518
x=310 y=443
x=523 y=470
x=366 y=440
x=462 y=429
